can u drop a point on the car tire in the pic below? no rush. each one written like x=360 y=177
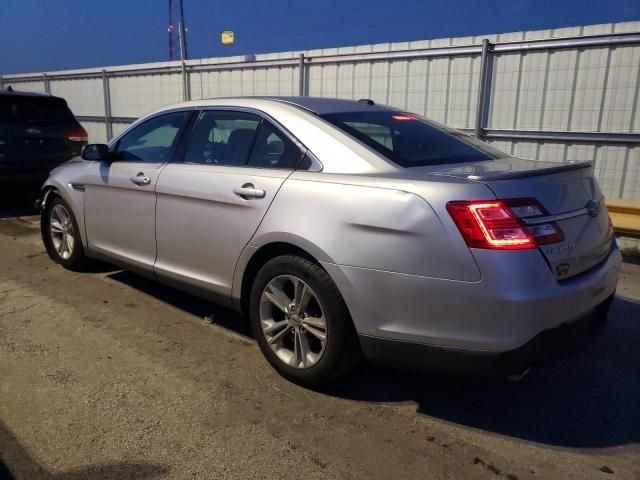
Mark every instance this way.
x=292 y=341
x=62 y=236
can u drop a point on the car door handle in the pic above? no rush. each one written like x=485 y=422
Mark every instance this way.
x=141 y=179
x=249 y=191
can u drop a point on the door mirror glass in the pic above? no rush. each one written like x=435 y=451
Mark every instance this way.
x=95 y=152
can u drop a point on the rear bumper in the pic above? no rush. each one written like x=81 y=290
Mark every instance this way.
x=517 y=299
x=547 y=346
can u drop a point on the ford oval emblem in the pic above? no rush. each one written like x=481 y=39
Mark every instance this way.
x=593 y=208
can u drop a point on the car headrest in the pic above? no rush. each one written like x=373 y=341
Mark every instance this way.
x=241 y=137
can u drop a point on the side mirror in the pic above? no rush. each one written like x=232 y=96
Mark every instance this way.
x=95 y=152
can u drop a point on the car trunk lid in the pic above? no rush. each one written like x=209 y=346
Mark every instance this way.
x=571 y=197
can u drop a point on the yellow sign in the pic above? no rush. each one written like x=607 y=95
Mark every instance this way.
x=227 y=37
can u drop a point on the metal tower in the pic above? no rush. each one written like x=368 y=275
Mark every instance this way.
x=177 y=31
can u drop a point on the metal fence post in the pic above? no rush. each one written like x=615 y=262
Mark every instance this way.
x=107 y=105
x=301 y=76
x=186 y=88
x=47 y=86
x=483 y=88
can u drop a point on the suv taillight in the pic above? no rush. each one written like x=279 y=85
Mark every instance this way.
x=76 y=135
x=497 y=224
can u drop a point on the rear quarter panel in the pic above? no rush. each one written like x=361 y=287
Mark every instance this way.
x=368 y=223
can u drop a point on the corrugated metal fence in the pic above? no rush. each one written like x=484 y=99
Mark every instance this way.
x=558 y=95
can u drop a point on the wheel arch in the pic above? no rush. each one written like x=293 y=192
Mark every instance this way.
x=45 y=200
x=258 y=257
x=47 y=191
x=75 y=200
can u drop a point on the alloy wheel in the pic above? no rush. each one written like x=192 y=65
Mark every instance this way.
x=293 y=321
x=62 y=233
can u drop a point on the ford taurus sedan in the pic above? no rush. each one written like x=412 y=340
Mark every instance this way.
x=346 y=229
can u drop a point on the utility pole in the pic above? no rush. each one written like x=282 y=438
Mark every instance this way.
x=177 y=31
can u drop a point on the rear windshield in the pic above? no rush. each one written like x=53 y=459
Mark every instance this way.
x=34 y=110
x=412 y=141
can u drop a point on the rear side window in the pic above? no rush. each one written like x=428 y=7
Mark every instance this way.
x=17 y=109
x=272 y=149
x=411 y=141
x=239 y=139
x=222 y=138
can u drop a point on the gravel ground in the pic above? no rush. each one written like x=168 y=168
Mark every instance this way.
x=107 y=375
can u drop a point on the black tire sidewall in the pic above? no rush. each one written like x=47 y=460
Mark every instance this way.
x=77 y=256
x=334 y=311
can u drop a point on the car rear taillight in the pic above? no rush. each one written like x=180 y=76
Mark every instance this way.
x=76 y=135
x=529 y=208
x=497 y=224
x=490 y=224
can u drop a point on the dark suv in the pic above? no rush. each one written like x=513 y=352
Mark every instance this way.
x=37 y=133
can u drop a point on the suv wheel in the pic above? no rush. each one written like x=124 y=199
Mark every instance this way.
x=301 y=322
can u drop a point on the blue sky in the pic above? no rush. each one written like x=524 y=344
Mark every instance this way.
x=53 y=35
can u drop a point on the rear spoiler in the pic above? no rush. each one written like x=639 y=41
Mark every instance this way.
x=565 y=167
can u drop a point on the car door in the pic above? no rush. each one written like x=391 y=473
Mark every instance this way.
x=120 y=197
x=210 y=205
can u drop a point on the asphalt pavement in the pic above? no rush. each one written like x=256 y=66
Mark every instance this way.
x=108 y=375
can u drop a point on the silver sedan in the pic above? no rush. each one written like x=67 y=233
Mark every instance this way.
x=346 y=229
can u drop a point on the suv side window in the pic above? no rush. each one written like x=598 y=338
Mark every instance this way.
x=273 y=149
x=222 y=137
x=153 y=141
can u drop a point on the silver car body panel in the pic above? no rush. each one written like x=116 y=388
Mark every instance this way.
x=202 y=225
x=374 y=223
x=517 y=298
x=509 y=168
x=381 y=231
x=112 y=198
x=564 y=194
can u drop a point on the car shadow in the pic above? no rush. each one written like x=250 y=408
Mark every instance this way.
x=18 y=463
x=18 y=203
x=217 y=314
x=589 y=400
x=627 y=258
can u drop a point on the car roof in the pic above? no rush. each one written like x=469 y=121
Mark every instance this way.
x=300 y=117
x=322 y=105
x=316 y=105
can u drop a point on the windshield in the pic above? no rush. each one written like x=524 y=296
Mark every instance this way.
x=34 y=110
x=412 y=141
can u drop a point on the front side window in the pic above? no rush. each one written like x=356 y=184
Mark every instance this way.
x=411 y=141
x=153 y=141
